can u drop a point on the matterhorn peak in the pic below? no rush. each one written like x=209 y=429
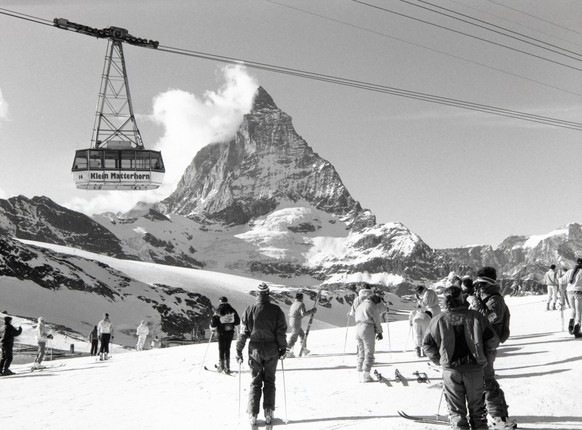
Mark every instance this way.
x=262 y=100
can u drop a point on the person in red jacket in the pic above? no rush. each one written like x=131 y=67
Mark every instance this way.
x=265 y=325
x=7 y=334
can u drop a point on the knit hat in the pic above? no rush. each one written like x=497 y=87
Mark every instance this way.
x=105 y=315
x=484 y=280
x=298 y=295
x=7 y=319
x=223 y=300
x=419 y=289
x=263 y=288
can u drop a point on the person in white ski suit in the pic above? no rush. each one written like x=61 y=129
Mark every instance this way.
x=296 y=313
x=105 y=332
x=43 y=334
x=364 y=292
x=419 y=321
x=551 y=281
x=573 y=280
x=458 y=340
x=368 y=329
x=490 y=303
x=142 y=333
x=562 y=288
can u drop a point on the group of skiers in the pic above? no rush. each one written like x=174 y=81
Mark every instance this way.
x=566 y=285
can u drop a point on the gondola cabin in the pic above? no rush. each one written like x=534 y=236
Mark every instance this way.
x=118 y=169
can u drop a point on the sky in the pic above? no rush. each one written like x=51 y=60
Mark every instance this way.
x=536 y=368
x=453 y=176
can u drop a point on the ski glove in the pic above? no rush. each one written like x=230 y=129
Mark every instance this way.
x=379 y=336
x=282 y=353
x=239 y=358
x=50 y=336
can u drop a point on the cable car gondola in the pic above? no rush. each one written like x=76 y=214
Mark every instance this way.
x=117 y=158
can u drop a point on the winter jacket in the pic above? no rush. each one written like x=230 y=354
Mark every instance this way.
x=143 y=330
x=7 y=334
x=363 y=294
x=418 y=315
x=105 y=327
x=42 y=332
x=459 y=336
x=225 y=319
x=93 y=335
x=551 y=278
x=429 y=301
x=573 y=281
x=298 y=310
x=490 y=304
x=368 y=313
x=263 y=322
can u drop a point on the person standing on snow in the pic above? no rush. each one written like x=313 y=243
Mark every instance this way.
x=142 y=333
x=419 y=320
x=296 y=313
x=459 y=340
x=94 y=340
x=105 y=331
x=223 y=322
x=368 y=329
x=43 y=334
x=573 y=279
x=265 y=325
x=491 y=304
x=7 y=334
x=428 y=300
x=551 y=281
x=364 y=292
x=562 y=288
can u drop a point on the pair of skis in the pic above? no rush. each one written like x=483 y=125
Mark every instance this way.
x=425 y=420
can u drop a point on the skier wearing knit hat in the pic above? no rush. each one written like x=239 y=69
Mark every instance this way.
x=7 y=334
x=573 y=281
x=265 y=325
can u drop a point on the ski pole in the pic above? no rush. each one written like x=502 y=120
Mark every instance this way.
x=284 y=391
x=388 y=333
x=239 y=389
x=346 y=338
x=206 y=352
x=440 y=401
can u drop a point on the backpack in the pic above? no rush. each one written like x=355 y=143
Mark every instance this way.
x=503 y=329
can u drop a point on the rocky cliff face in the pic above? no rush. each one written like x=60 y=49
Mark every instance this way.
x=266 y=163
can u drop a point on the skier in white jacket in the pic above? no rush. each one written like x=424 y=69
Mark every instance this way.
x=105 y=332
x=43 y=334
x=142 y=333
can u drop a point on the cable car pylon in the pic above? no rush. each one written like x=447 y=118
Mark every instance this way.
x=117 y=158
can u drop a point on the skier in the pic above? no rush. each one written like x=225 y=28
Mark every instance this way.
x=551 y=281
x=573 y=278
x=562 y=287
x=105 y=331
x=428 y=300
x=491 y=304
x=142 y=333
x=296 y=313
x=7 y=334
x=368 y=329
x=419 y=320
x=43 y=334
x=94 y=339
x=264 y=324
x=223 y=322
x=458 y=340
x=364 y=292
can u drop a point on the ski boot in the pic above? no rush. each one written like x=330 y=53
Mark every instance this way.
x=289 y=354
x=571 y=326
x=499 y=423
x=366 y=377
x=418 y=353
x=306 y=352
x=268 y=416
x=577 y=330
x=7 y=372
x=253 y=420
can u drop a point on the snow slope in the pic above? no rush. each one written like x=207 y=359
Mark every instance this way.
x=538 y=368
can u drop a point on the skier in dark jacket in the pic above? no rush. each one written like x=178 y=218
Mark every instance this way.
x=459 y=340
x=264 y=323
x=94 y=339
x=490 y=303
x=7 y=334
x=223 y=322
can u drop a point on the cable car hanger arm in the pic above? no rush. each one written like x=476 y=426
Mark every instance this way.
x=113 y=33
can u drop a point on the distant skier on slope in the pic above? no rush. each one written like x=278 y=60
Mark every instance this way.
x=43 y=334
x=296 y=313
x=94 y=340
x=368 y=329
x=264 y=323
x=223 y=322
x=105 y=332
x=573 y=278
x=459 y=340
x=142 y=332
x=7 y=334
x=551 y=281
x=491 y=304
